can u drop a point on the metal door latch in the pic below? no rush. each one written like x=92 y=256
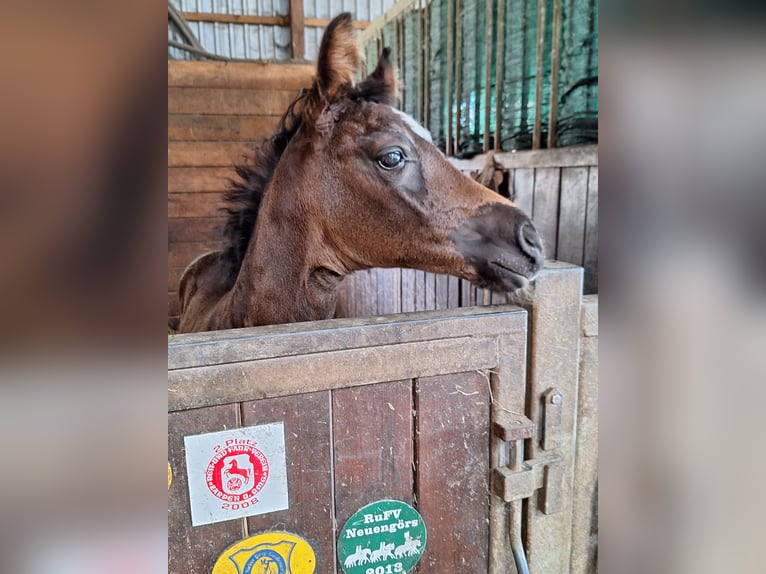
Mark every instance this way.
x=516 y=478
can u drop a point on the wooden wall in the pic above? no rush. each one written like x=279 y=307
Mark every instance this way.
x=215 y=110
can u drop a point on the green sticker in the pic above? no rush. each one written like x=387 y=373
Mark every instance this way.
x=385 y=537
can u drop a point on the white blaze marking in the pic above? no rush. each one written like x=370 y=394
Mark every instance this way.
x=414 y=125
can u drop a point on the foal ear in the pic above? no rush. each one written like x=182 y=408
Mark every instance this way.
x=382 y=85
x=339 y=57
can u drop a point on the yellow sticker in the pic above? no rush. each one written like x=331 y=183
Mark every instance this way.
x=268 y=553
x=170 y=476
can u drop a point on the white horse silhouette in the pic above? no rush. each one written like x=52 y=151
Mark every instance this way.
x=360 y=556
x=409 y=547
x=383 y=552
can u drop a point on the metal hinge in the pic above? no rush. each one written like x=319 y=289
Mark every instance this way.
x=516 y=478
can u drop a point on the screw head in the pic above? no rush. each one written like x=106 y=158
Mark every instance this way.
x=556 y=399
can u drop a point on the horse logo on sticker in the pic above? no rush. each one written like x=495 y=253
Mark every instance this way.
x=270 y=553
x=237 y=472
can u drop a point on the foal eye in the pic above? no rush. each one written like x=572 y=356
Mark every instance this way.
x=391 y=159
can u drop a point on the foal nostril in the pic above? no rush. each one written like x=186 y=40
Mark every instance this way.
x=529 y=241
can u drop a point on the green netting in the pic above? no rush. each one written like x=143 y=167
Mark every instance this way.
x=578 y=73
x=437 y=71
x=409 y=72
x=464 y=100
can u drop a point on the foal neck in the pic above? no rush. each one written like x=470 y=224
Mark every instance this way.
x=288 y=273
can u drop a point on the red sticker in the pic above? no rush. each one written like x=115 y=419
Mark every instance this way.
x=237 y=472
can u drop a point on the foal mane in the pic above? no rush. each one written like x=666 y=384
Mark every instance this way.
x=244 y=195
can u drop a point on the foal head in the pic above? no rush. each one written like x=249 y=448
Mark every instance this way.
x=363 y=186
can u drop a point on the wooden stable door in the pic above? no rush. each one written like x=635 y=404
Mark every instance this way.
x=403 y=407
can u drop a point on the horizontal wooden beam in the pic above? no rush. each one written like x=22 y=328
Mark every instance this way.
x=236 y=19
x=211 y=101
x=220 y=128
x=324 y=22
x=581 y=156
x=252 y=344
x=264 y=20
x=206 y=154
x=200 y=179
x=280 y=376
x=194 y=204
x=246 y=75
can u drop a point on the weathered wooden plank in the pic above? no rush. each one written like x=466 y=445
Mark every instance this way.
x=409 y=286
x=195 y=549
x=250 y=75
x=545 y=211
x=373 y=445
x=174 y=277
x=453 y=471
x=360 y=296
x=206 y=154
x=229 y=101
x=174 y=306
x=193 y=127
x=585 y=507
x=524 y=189
x=184 y=205
x=388 y=291
x=250 y=344
x=591 y=234
x=467 y=294
x=508 y=383
x=442 y=292
x=553 y=364
x=571 y=234
x=579 y=156
x=429 y=291
x=181 y=254
x=233 y=382
x=308 y=453
x=420 y=291
x=297 y=28
x=200 y=179
x=195 y=229
x=453 y=292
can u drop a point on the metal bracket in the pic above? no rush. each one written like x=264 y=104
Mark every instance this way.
x=552 y=407
x=516 y=479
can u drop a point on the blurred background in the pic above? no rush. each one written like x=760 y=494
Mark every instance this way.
x=83 y=217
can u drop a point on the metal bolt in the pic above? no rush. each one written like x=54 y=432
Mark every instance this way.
x=556 y=399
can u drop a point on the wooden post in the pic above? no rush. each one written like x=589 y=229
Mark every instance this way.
x=499 y=62
x=537 y=130
x=487 y=70
x=450 y=75
x=555 y=41
x=420 y=61
x=584 y=513
x=458 y=71
x=297 y=26
x=553 y=364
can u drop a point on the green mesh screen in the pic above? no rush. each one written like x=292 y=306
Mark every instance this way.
x=435 y=100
